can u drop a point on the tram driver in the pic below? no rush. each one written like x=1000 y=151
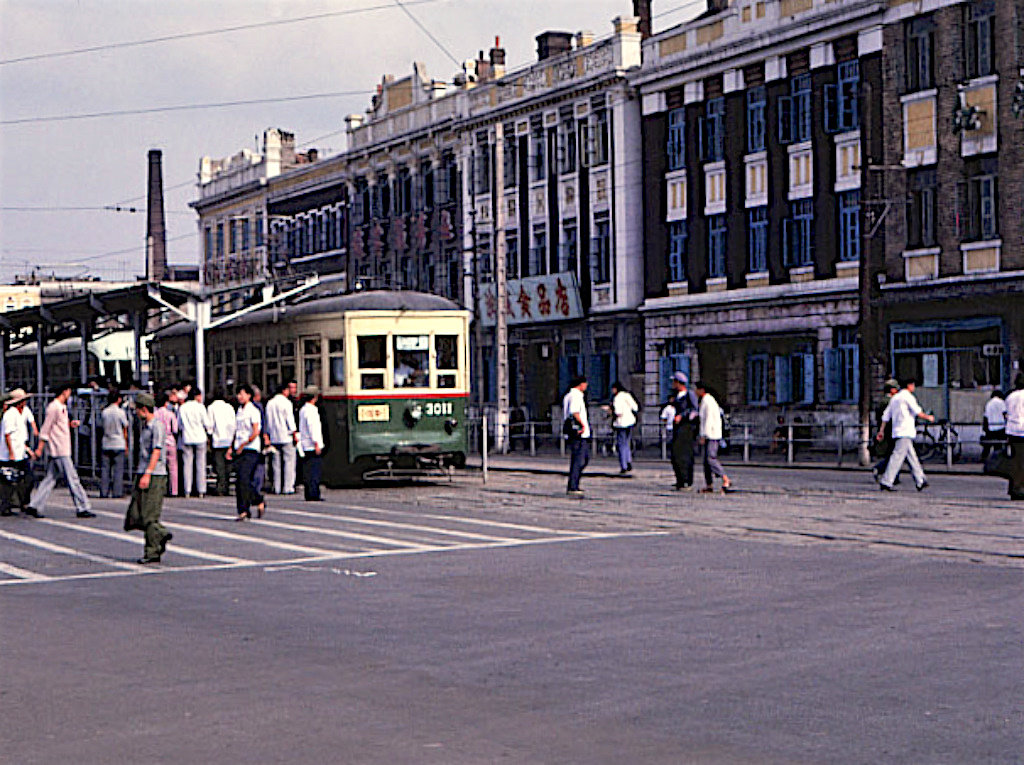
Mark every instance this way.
x=409 y=374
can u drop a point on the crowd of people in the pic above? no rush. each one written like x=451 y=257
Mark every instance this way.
x=176 y=431
x=694 y=424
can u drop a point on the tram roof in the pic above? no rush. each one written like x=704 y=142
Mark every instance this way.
x=323 y=299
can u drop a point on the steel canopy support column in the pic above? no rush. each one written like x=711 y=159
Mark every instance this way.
x=137 y=347
x=40 y=366
x=5 y=344
x=83 y=352
x=201 y=311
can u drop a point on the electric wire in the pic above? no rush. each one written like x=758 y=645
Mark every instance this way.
x=207 y=32
x=427 y=32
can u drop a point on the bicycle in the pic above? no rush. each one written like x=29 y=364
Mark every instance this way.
x=933 y=447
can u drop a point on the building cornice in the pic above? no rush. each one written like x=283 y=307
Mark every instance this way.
x=793 y=291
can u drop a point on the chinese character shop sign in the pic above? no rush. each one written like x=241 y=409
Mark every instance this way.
x=535 y=299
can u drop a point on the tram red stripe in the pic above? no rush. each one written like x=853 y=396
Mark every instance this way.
x=368 y=396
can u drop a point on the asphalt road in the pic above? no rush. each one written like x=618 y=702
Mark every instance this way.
x=469 y=624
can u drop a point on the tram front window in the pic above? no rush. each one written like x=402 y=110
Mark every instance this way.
x=447 y=347
x=412 y=361
x=372 y=356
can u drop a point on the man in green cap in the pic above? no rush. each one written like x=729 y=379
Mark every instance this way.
x=151 y=485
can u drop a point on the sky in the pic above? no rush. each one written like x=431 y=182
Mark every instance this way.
x=102 y=161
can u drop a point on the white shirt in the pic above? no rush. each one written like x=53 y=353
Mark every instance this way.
x=1015 y=413
x=624 y=407
x=246 y=418
x=196 y=423
x=902 y=412
x=280 y=420
x=15 y=425
x=995 y=413
x=575 y=403
x=710 y=418
x=668 y=415
x=222 y=417
x=311 y=434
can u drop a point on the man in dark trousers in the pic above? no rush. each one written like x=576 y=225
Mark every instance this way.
x=151 y=483
x=684 y=422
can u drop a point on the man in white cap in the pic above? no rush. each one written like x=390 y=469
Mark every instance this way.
x=14 y=453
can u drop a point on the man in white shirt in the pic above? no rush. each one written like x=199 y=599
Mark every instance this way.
x=222 y=420
x=14 y=452
x=903 y=412
x=247 y=451
x=1015 y=438
x=284 y=436
x=577 y=431
x=624 y=409
x=993 y=424
x=711 y=439
x=311 y=442
x=196 y=425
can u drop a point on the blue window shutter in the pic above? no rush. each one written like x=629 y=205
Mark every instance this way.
x=612 y=372
x=681 y=363
x=808 y=370
x=787 y=250
x=856 y=374
x=702 y=133
x=563 y=375
x=833 y=375
x=664 y=377
x=783 y=380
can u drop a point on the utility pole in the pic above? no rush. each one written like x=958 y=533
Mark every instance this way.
x=501 y=288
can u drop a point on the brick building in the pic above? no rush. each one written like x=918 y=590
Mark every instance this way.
x=951 y=288
x=753 y=128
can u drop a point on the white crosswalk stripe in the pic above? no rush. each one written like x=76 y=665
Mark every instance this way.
x=339 y=531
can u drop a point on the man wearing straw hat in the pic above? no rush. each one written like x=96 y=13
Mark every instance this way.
x=16 y=478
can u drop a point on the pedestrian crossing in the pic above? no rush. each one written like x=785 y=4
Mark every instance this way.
x=206 y=537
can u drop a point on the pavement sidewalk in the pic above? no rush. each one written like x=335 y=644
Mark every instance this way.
x=554 y=464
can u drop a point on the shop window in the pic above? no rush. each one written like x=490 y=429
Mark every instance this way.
x=757 y=379
x=311 y=361
x=842 y=367
x=794 y=378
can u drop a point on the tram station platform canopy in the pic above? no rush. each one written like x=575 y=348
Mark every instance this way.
x=137 y=308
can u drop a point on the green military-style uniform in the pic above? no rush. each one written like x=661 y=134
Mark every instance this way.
x=146 y=504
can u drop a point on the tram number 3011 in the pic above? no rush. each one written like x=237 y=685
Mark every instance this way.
x=438 y=408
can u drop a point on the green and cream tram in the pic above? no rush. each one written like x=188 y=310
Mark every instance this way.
x=393 y=368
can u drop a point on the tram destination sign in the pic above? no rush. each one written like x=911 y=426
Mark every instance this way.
x=534 y=300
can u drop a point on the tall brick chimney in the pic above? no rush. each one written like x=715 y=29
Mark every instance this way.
x=156 y=228
x=642 y=10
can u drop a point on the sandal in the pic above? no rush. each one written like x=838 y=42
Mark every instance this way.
x=243 y=517
x=260 y=508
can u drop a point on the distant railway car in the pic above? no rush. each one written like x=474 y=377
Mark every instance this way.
x=393 y=368
x=110 y=356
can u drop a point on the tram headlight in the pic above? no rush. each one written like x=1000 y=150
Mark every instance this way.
x=450 y=425
x=413 y=415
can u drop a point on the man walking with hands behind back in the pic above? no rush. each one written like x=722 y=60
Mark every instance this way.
x=903 y=412
x=55 y=436
x=151 y=485
x=685 y=411
x=284 y=436
x=196 y=425
x=574 y=410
